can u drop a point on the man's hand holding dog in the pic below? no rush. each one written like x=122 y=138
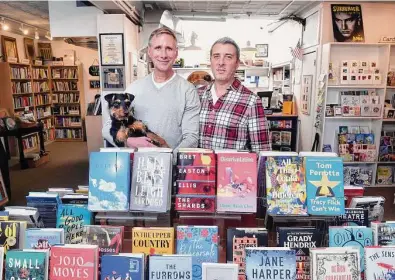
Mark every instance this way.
x=139 y=142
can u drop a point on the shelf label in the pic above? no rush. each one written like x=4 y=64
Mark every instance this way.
x=387 y=39
x=12 y=59
x=25 y=61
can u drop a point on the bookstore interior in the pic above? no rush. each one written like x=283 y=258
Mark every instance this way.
x=318 y=205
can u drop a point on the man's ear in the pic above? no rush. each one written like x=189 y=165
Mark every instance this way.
x=109 y=97
x=129 y=96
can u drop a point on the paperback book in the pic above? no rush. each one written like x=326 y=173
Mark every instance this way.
x=122 y=267
x=169 y=267
x=153 y=240
x=383 y=233
x=108 y=238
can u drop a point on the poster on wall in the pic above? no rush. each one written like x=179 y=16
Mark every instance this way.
x=111 y=49
x=113 y=78
x=306 y=94
x=347 y=23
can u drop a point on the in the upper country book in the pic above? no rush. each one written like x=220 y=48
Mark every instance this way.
x=109 y=181
x=236 y=182
x=72 y=218
x=347 y=23
x=353 y=217
x=325 y=190
x=270 y=263
x=170 y=267
x=122 y=266
x=108 y=238
x=351 y=236
x=335 y=263
x=151 y=182
x=27 y=264
x=300 y=239
x=43 y=238
x=199 y=241
x=285 y=187
x=153 y=240
x=380 y=263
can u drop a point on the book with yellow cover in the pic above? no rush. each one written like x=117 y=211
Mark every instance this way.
x=153 y=240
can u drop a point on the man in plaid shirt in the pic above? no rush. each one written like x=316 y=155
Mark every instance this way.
x=231 y=117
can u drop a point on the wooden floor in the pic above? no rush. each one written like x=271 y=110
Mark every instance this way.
x=68 y=167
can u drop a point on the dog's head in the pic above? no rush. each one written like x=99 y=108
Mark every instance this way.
x=120 y=104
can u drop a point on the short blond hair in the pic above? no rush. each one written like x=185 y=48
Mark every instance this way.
x=160 y=31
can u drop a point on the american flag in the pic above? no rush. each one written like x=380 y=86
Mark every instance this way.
x=297 y=52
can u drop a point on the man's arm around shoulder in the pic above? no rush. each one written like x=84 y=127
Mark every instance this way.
x=258 y=127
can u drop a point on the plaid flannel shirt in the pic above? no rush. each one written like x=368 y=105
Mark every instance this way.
x=236 y=121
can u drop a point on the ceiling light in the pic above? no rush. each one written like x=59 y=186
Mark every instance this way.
x=4 y=26
x=25 y=31
x=48 y=36
x=248 y=48
x=36 y=36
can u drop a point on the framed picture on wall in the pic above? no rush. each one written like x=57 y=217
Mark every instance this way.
x=94 y=84
x=9 y=48
x=113 y=78
x=45 y=50
x=306 y=94
x=111 y=49
x=30 y=52
x=262 y=50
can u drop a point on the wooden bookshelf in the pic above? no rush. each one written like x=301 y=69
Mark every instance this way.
x=67 y=96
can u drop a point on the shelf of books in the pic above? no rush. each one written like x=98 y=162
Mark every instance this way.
x=359 y=109
x=67 y=97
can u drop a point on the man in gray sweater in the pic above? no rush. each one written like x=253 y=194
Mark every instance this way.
x=164 y=101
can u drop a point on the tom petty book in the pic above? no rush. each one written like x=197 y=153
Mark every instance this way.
x=237 y=182
x=325 y=189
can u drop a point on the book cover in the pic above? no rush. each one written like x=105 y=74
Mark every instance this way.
x=352 y=31
x=199 y=241
x=74 y=262
x=240 y=238
x=195 y=187
x=237 y=182
x=151 y=182
x=10 y=232
x=219 y=271
x=383 y=233
x=335 y=263
x=107 y=238
x=285 y=186
x=195 y=203
x=153 y=241
x=43 y=238
x=109 y=181
x=353 y=217
x=270 y=263
x=374 y=205
x=170 y=267
x=379 y=263
x=301 y=240
x=72 y=218
x=122 y=267
x=325 y=190
x=351 y=236
x=24 y=264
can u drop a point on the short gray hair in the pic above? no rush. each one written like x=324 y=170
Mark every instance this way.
x=160 y=31
x=224 y=41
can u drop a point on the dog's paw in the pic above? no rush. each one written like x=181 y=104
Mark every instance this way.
x=122 y=135
x=138 y=126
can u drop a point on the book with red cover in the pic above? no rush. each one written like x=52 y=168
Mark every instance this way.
x=236 y=182
x=74 y=262
x=195 y=203
x=350 y=192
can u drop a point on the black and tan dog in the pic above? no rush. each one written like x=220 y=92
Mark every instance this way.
x=123 y=123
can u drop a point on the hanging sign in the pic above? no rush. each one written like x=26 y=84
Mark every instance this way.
x=94 y=70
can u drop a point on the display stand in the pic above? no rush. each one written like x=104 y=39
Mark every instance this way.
x=294 y=130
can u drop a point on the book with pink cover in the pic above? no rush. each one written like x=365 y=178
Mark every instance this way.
x=236 y=182
x=74 y=262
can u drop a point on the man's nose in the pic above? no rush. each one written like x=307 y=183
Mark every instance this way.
x=221 y=60
x=344 y=25
x=163 y=53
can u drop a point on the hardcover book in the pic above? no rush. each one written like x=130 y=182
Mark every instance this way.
x=74 y=262
x=153 y=240
x=353 y=217
x=72 y=218
x=109 y=181
x=27 y=264
x=351 y=236
x=237 y=182
x=43 y=238
x=379 y=263
x=108 y=238
x=10 y=235
x=383 y=233
x=195 y=203
x=122 y=266
x=270 y=263
x=240 y=238
x=219 y=271
x=285 y=186
x=151 y=182
x=199 y=241
x=195 y=187
x=301 y=240
x=325 y=190
x=170 y=267
x=335 y=263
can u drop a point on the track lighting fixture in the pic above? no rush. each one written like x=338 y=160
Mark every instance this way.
x=4 y=26
x=25 y=31
x=48 y=36
x=36 y=36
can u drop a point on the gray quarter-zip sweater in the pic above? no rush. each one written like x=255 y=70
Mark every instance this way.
x=171 y=111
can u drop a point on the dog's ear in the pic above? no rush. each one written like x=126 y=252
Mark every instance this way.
x=129 y=96
x=109 y=97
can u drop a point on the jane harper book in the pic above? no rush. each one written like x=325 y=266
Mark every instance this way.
x=270 y=263
x=27 y=264
x=153 y=240
x=285 y=186
x=236 y=182
x=109 y=181
x=201 y=242
x=74 y=262
x=169 y=267
x=325 y=189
